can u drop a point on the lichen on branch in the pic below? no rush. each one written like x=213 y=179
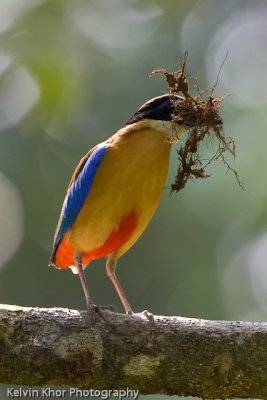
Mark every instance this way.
x=171 y=355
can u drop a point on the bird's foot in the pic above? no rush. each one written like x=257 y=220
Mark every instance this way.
x=108 y=308
x=92 y=308
x=99 y=311
x=146 y=314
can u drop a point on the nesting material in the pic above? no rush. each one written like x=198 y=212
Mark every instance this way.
x=202 y=115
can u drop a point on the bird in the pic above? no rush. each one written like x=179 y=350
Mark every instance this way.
x=114 y=193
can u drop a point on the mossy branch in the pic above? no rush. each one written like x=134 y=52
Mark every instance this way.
x=173 y=355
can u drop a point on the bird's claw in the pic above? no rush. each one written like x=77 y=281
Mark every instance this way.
x=97 y=311
x=149 y=316
x=106 y=308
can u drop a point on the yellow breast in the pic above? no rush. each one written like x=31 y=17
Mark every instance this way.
x=131 y=177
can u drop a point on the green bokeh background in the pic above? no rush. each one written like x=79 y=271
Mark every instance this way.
x=71 y=74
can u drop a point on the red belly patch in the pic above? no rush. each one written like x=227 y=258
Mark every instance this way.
x=117 y=238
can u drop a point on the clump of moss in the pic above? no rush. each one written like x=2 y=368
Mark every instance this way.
x=202 y=115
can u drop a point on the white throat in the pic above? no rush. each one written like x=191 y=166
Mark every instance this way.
x=171 y=129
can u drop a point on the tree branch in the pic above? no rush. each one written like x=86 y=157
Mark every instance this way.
x=173 y=355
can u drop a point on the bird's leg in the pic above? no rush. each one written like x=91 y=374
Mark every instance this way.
x=111 y=267
x=78 y=262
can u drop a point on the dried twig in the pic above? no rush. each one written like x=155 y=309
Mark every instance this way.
x=202 y=116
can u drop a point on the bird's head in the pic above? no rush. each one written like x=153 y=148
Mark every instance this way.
x=166 y=113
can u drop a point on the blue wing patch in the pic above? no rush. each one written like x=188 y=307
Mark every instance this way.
x=78 y=191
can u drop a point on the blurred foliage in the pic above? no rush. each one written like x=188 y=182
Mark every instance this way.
x=71 y=74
